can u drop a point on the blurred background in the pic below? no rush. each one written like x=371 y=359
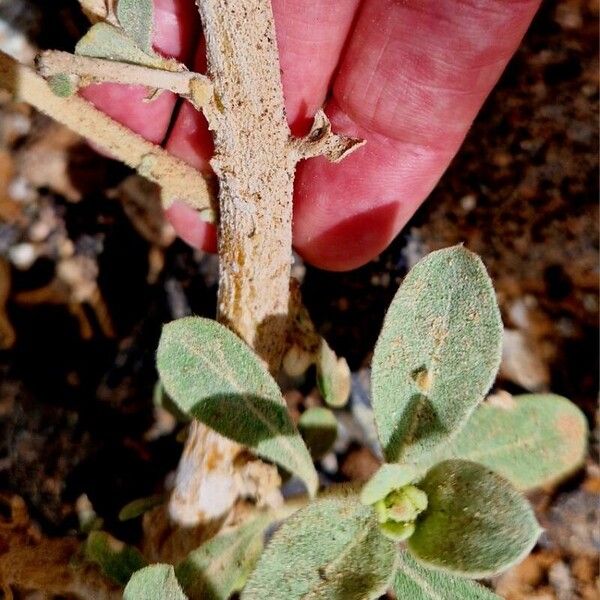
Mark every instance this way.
x=89 y=271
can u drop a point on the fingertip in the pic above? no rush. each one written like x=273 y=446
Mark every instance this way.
x=345 y=214
x=351 y=243
x=191 y=228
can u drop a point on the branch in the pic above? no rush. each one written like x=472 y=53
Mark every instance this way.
x=255 y=160
x=194 y=87
x=179 y=181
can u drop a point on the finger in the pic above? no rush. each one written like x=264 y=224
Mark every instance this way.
x=191 y=141
x=190 y=138
x=175 y=23
x=191 y=229
x=410 y=82
x=310 y=38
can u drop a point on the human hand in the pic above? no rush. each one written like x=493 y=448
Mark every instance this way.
x=406 y=75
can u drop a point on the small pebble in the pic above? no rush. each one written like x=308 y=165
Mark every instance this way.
x=468 y=202
x=22 y=256
x=329 y=463
x=21 y=190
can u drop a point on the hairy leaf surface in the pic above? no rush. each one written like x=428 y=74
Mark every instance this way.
x=116 y=559
x=333 y=376
x=536 y=440
x=215 y=377
x=156 y=582
x=476 y=523
x=135 y=17
x=330 y=550
x=437 y=354
x=107 y=41
x=413 y=581
x=221 y=565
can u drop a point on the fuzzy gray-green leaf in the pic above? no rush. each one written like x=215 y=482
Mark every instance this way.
x=437 y=354
x=532 y=440
x=476 y=523
x=318 y=427
x=413 y=581
x=104 y=40
x=333 y=376
x=116 y=559
x=135 y=17
x=156 y=582
x=221 y=565
x=216 y=378
x=330 y=550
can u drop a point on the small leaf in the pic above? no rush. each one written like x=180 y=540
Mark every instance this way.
x=476 y=524
x=330 y=550
x=416 y=582
x=318 y=427
x=389 y=477
x=116 y=559
x=106 y=41
x=333 y=376
x=221 y=566
x=135 y=17
x=213 y=376
x=437 y=354
x=138 y=507
x=156 y=582
x=62 y=85
x=535 y=440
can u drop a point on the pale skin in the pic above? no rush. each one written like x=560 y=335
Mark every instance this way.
x=407 y=76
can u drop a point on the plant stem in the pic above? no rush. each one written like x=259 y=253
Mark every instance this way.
x=179 y=181
x=255 y=170
x=255 y=161
x=192 y=86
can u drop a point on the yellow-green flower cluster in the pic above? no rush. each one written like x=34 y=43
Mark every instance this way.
x=397 y=502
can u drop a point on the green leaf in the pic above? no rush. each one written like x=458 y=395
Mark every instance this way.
x=388 y=477
x=213 y=376
x=135 y=17
x=107 y=41
x=437 y=354
x=535 y=440
x=62 y=85
x=333 y=376
x=318 y=427
x=476 y=523
x=156 y=582
x=138 y=507
x=416 y=582
x=330 y=550
x=116 y=559
x=222 y=565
